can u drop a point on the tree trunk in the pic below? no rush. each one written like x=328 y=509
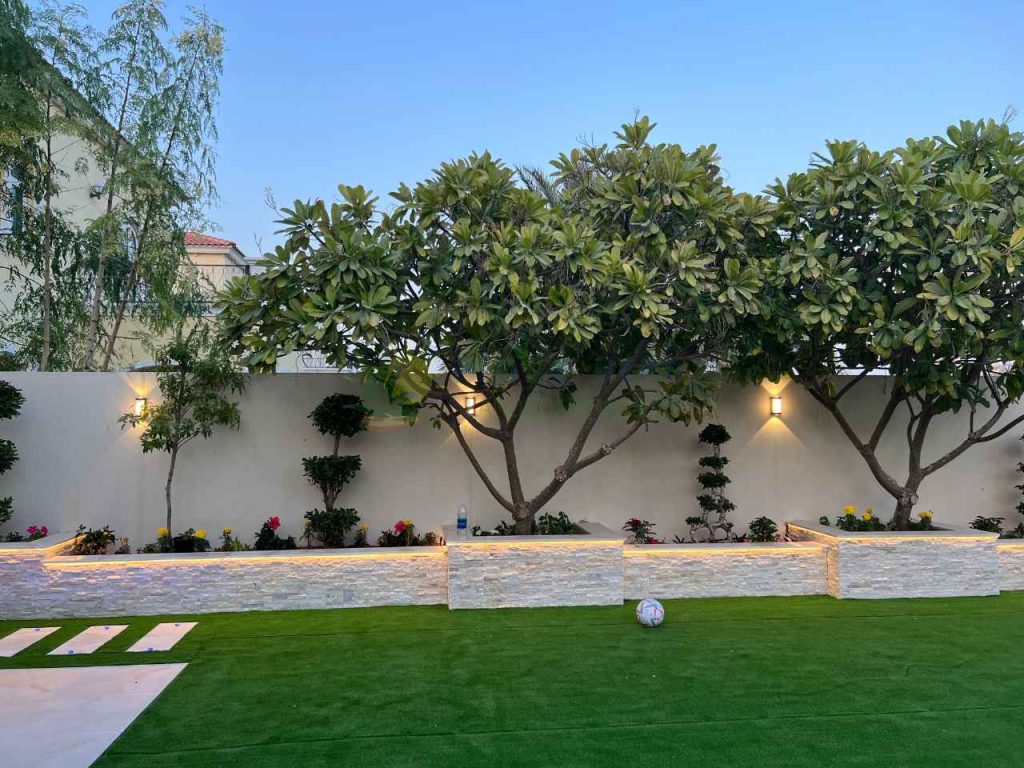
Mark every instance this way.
x=44 y=356
x=904 y=507
x=108 y=355
x=167 y=489
x=523 y=518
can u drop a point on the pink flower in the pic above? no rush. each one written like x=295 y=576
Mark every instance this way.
x=274 y=523
x=31 y=529
x=44 y=530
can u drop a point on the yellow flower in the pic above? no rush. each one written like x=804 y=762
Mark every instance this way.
x=407 y=521
x=365 y=527
x=867 y=514
x=849 y=509
x=161 y=532
x=926 y=515
x=201 y=533
x=226 y=531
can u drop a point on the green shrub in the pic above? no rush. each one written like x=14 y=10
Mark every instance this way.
x=763 y=529
x=556 y=525
x=331 y=526
x=990 y=524
x=11 y=401
x=93 y=542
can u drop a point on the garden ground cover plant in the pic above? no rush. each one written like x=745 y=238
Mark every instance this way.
x=731 y=682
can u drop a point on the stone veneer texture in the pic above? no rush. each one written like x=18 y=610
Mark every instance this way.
x=1011 y=565
x=723 y=570
x=530 y=575
x=158 y=584
x=906 y=564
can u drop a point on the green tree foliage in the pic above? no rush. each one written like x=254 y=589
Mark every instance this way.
x=139 y=100
x=195 y=382
x=906 y=262
x=629 y=259
x=171 y=186
x=21 y=117
x=11 y=401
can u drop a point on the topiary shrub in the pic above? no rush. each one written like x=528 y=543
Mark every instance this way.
x=11 y=401
x=714 y=506
x=338 y=416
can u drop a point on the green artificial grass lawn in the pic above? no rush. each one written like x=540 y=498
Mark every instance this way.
x=734 y=682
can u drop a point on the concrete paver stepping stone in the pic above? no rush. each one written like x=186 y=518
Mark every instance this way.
x=162 y=637
x=65 y=717
x=21 y=639
x=88 y=640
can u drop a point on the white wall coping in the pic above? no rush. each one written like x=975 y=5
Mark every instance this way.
x=50 y=542
x=264 y=556
x=945 y=532
x=595 y=533
x=725 y=547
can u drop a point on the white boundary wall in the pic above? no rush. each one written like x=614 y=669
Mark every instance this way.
x=78 y=466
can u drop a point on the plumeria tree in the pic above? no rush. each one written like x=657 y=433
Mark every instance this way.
x=905 y=263
x=628 y=259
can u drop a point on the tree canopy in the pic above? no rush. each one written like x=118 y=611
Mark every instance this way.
x=908 y=263
x=492 y=283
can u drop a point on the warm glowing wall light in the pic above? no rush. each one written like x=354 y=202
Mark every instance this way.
x=776 y=405
x=140 y=405
x=471 y=405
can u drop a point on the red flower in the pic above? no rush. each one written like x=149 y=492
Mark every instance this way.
x=44 y=530
x=399 y=526
x=31 y=529
x=274 y=523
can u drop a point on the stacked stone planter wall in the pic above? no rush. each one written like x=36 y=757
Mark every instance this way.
x=1011 y=564
x=884 y=564
x=51 y=585
x=38 y=580
x=532 y=571
x=723 y=570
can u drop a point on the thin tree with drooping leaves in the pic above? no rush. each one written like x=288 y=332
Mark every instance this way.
x=135 y=58
x=177 y=132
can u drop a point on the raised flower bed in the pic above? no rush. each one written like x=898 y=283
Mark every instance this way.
x=942 y=562
x=723 y=569
x=528 y=571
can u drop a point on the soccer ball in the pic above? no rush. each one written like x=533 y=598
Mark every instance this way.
x=650 y=613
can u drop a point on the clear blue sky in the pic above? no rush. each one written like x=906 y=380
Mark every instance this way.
x=319 y=92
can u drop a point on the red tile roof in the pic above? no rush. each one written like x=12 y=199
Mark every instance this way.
x=196 y=238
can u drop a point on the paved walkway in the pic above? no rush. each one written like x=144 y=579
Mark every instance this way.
x=66 y=718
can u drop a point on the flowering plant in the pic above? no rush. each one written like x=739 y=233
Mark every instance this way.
x=404 y=535
x=866 y=522
x=642 y=530
x=924 y=523
x=36 y=532
x=267 y=538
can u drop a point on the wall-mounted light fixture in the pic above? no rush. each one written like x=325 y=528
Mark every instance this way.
x=776 y=405
x=140 y=406
x=471 y=405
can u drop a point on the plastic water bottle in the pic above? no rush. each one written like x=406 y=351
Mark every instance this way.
x=462 y=522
